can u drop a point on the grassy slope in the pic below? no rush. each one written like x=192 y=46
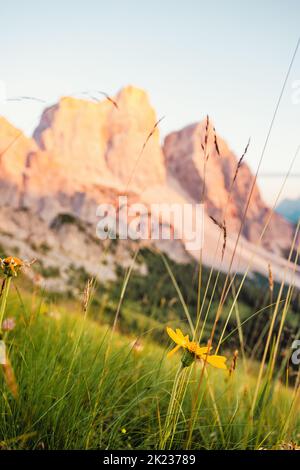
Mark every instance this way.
x=151 y=302
x=73 y=395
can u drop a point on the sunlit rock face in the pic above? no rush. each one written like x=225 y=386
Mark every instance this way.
x=14 y=150
x=211 y=180
x=86 y=152
x=98 y=143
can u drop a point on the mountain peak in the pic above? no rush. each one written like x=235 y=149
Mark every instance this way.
x=133 y=93
x=95 y=141
x=86 y=148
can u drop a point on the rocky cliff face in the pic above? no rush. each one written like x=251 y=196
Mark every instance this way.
x=85 y=153
x=98 y=143
x=14 y=151
x=185 y=161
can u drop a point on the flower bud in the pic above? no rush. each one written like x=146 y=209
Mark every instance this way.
x=187 y=358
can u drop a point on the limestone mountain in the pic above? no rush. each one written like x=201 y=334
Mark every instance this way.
x=84 y=153
x=184 y=156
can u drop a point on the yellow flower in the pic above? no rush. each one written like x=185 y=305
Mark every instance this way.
x=194 y=349
x=12 y=265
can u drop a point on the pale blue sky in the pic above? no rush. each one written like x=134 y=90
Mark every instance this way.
x=225 y=58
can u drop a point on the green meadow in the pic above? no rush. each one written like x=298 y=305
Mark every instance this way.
x=92 y=372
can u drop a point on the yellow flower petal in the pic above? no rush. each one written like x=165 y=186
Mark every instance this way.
x=201 y=351
x=170 y=353
x=172 y=334
x=216 y=361
x=177 y=339
x=180 y=334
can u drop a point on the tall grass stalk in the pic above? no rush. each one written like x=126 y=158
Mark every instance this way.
x=108 y=348
x=269 y=337
x=4 y=296
x=174 y=407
